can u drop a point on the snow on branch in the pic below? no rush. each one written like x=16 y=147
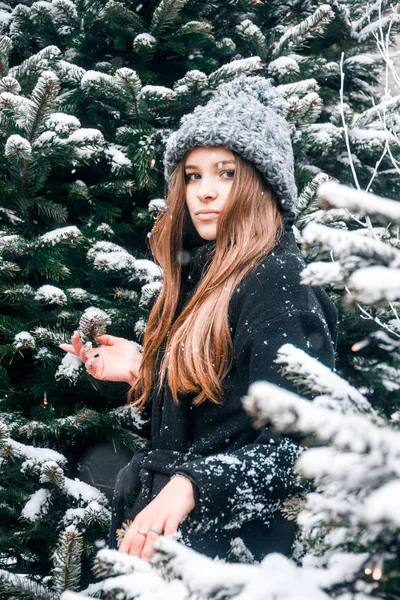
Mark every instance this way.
x=248 y=30
x=331 y=194
x=35 y=62
x=32 y=457
x=149 y=293
x=37 y=505
x=234 y=69
x=70 y=369
x=117 y=158
x=71 y=232
x=156 y=94
x=383 y=504
x=311 y=26
x=290 y=413
x=374 y=284
x=68 y=72
x=307 y=198
x=316 y=378
x=83 y=491
x=380 y=23
x=16 y=105
x=347 y=243
x=92 y=81
x=86 y=138
x=147 y=271
x=180 y=573
x=324 y=273
x=109 y=563
x=298 y=88
x=194 y=81
x=26 y=586
x=144 y=41
x=50 y=294
x=24 y=339
x=17 y=147
x=284 y=65
x=14 y=243
x=62 y=123
x=376 y=113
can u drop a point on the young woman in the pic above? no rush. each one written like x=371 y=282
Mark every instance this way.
x=231 y=297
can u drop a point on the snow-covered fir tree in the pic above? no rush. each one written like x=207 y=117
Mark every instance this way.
x=89 y=93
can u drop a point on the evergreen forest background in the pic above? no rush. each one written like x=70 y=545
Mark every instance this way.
x=89 y=93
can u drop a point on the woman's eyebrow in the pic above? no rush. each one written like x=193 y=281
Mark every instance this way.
x=216 y=164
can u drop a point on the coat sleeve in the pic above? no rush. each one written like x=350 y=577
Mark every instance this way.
x=234 y=487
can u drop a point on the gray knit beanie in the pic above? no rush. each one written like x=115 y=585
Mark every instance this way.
x=247 y=116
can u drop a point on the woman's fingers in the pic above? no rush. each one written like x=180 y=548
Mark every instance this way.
x=86 y=351
x=74 y=347
x=155 y=531
x=135 y=539
x=107 y=340
x=76 y=342
x=172 y=525
x=141 y=535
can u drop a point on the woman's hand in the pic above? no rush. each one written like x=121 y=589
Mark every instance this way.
x=117 y=359
x=163 y=515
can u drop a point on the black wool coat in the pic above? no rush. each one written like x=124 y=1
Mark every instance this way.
x=240 y=475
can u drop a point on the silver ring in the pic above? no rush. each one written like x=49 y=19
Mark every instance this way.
x=156 y=530
x=142 y=532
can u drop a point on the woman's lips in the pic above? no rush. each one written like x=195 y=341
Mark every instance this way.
x=207 y=216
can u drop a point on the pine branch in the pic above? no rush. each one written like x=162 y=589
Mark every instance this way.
x=52 y=210
x=200 y=27
x=332 y=194
x=165 y=15
x=132 y=83
x=144 y=43
x=344 y=244
x=8 y=269
x=24 y=585
x=93 y=323
x=374 y=284
x=311 y=26
x=35 y=63
x=298 y=88
x=42 y=99
x=5 y=50
x=67 y=561
x=234 y=69
x=109 y=563
x=253 y=34
x=307 y=201
x=316 y=378
x=324 y=273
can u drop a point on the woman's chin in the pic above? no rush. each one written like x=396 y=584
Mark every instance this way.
x=207 y=232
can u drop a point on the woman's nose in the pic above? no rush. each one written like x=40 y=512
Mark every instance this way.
x=207 y=189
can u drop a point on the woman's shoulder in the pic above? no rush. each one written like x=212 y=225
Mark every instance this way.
x=274 y=285
x=280 y=267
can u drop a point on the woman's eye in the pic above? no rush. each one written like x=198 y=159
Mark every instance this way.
x=230 y=173
x=188 y=176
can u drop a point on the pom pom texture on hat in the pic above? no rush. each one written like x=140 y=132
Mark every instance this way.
x=247 y=116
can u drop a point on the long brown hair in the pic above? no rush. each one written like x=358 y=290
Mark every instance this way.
x=198 y=345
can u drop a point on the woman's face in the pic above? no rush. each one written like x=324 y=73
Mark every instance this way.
x=209 y=175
